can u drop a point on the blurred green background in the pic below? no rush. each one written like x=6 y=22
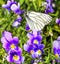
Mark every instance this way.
x=6 y=20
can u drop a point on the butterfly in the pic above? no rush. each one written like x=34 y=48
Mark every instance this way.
x=36 y=20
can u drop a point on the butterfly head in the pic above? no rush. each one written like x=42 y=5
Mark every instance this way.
x=26 y=14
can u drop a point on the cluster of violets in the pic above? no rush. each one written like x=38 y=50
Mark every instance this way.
x=14 y=53
x=10 y=44
x=34 y=46
x=15 y=7
x=49 y=7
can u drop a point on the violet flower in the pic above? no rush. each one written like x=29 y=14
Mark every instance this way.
x=34 y=38
x=58 y=21
x=8 y=5
x=15 y=56
x=12 y=5
x=49 y=8
x=35 y=50
x=56 y=47
x=34 y=46
x=16 y=9
x=8 y=42
x=16 y=23
x=27 y=26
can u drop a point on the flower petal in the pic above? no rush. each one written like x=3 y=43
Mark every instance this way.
x=58 y=38
x=13 y=7
x=6 y=46
x=33 y=55
x=15 y=24
x=56 y=44
x=41 y=46
x=27 y=26
x=35 y=33
x=29 y=42
x=9 y=58
x=22 y=59
x=26 y=47
x=19 y=51
x=3 y=40
x=7 y=35
x=15 y=40
x=29 y=35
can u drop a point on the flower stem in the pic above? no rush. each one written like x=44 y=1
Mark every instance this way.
x=51 y=45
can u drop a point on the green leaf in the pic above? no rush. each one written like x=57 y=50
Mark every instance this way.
x=21 y=2
x=1 y=2
x=34 y=4
x=39 y=2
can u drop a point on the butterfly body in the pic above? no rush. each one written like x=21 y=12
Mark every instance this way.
x=36 y=20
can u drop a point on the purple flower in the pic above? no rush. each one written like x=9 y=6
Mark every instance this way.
x=12 y=5
x=56 y=47
x=35 y=50
x=34 y=46
x=16 y=9
x=17 y=21
x=49 y=2
x=15 y=56
x=8 y=5
x=49 y=8
x=58 y=21
x=8 y=42
x=27 y=27
x=34 y=38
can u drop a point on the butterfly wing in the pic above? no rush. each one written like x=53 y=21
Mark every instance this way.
x=30 y=23
x=37 y=20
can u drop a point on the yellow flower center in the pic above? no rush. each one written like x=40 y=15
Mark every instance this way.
x=39 y=51
x=32 y=51
x=57 y=55
x=15 y=57
x=12 y=46
x=35 y=42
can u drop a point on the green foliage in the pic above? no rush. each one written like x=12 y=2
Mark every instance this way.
x=6 y=20
x=21 y=2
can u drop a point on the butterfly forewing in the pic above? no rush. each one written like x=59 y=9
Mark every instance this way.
x=45 y=17
x=30 y=23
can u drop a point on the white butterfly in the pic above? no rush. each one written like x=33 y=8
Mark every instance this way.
x=36 y=20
